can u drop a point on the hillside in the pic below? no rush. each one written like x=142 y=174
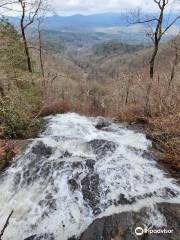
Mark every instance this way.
x=91 y=21
x=113 y=57
x=89 y=138
x=91 y=29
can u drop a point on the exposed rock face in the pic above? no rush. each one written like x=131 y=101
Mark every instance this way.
x=90 y=191
x=41 y=237
x=102 y=123
x=42 y=150
x=32 y=171
x=172 y=214
x=122 y=226
x=102 y=147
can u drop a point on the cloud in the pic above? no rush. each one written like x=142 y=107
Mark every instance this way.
x=94 y=6
x=68 y=7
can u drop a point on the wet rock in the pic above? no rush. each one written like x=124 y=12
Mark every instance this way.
x=37 y=169
x=34 y=170
x=48 y=204
x=96 y=211
x=46 y=170
x=123 y=200
x=77 y=165
x=102 y=147
x=30 y=174
x=106 y=228
x=101 y=123
x=66 y=154
x=90 y=164
x=72 y=238
x=42 y=150
x=122 y=226
x=41 y=237
x=58 y=165
x=172 y=215
x=165 y=193
x=34 y=237
x=90 y=190
x=73 y=184
x=145 y=154
x=168 y=193
x=148 y=155
x=17 y=178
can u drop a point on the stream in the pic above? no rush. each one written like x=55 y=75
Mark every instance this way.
x=79 y=170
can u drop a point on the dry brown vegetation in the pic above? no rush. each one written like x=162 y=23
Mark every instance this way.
x=119 y=93
x=115 y=86
x=119 y=90
x=7 y=152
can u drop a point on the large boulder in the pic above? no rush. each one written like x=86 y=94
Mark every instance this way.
x=102 y=147
x=122 y=226
x=102 y=123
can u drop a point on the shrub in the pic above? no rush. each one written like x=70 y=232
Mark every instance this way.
x=165 y=130
x=56 y=107
x=130 y=113
x=33 y=96
x=17 y=112
x=7 y=152
x=13 y=119
x=11 y=47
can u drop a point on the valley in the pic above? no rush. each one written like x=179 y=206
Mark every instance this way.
x=89 y=140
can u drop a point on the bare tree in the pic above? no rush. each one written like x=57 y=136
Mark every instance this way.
x=40 y=46
x=157 y=30
x=40 y=19
x=6 y=6
x=5 y=3
x=31 y=9
x=5 y=225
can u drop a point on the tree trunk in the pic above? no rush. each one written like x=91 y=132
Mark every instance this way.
x=147 y=99
x=26 y=48
x=40 y=51
x=151 y=72
x=26 y=51
x=6 y=225
x=153 y=58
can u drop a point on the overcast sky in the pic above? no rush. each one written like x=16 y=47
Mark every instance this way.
x=98 y=6
x=70 y=7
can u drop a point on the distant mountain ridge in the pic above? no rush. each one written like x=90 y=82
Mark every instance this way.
x=90 y=21
x=57 y=22
x=86 y=30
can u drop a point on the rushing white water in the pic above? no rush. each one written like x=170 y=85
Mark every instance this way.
x=74 y=173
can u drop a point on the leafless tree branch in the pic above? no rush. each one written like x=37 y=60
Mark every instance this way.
x=8 y=3
x=6 y=225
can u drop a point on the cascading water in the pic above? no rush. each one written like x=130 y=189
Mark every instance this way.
x=77 y=171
